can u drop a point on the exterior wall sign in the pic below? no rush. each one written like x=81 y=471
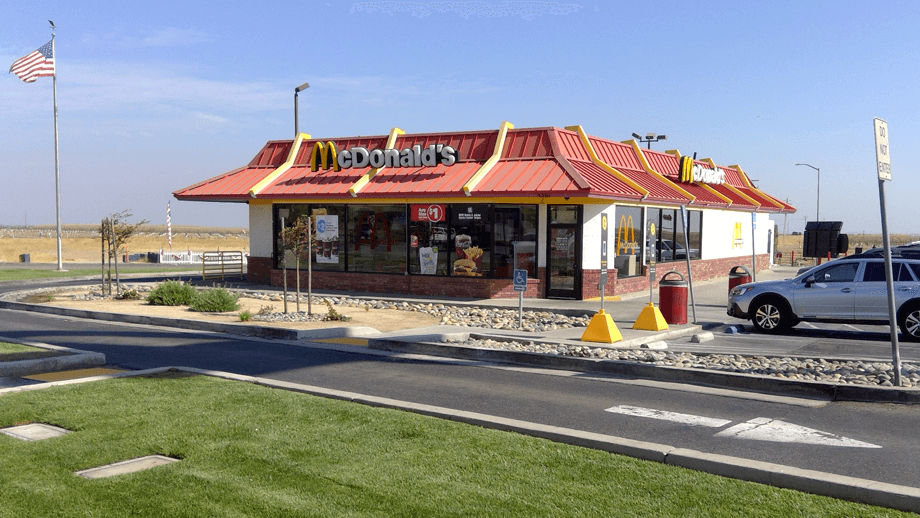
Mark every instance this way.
x=433 y=213
x=325 y=156
x=691 y=172
x=626 y=236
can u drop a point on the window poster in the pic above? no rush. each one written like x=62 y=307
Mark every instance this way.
x=428 y=260
x=327 y=239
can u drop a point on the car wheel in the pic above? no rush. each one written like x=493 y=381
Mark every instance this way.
x=770 y=316
x=909 y=322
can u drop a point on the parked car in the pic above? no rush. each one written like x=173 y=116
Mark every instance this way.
x=673 y=251
x=850 y=290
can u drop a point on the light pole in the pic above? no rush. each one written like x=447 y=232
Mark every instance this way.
x=818 y=208
x=297 y=91
x=649 y=138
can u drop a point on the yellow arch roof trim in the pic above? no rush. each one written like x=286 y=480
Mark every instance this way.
x=491 y=161
x=731 y=188
x=600 y=163
x=281 y=169
x=361 y=182
x=662 y=178
x=751 y=186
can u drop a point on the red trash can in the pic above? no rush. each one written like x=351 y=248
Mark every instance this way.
x=736 y=277
x=672 y=298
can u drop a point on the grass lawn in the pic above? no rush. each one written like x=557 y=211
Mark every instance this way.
x=16 y=274
x=8 y=348
x=248 y=450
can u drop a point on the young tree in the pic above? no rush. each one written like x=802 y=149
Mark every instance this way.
x=116 y=231
x=296 y=239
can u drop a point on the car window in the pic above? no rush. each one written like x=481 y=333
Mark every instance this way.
x=839 y=273
x=903 y=272
x=916 y=268
x=875 y=272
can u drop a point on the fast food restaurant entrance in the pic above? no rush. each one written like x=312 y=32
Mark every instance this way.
x=564 y=273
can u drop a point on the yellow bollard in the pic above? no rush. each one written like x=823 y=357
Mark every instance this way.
x=602 y=329
x=650 y=319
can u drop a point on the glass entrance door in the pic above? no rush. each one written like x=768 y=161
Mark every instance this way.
x=564 y=249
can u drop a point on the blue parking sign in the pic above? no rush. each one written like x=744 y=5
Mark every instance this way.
x=520 y=280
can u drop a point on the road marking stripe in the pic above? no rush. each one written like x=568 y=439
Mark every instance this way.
x=765 y=429
x=691 y=420
x=852 y=327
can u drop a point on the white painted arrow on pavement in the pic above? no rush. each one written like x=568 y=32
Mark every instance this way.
x=765 y=429
x=759 y=429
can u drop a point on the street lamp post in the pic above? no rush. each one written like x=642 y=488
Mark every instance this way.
x=818 y=208
x=649 y=138
x=297 y=91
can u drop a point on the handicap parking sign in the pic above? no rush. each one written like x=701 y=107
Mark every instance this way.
x=520 y=280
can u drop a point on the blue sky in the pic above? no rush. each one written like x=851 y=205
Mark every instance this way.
x=155 y=96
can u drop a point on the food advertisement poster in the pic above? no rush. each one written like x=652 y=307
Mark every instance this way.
x=327 y=239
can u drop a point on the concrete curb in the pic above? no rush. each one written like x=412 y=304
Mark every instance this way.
x=200 y=325
x=70 y=359
x=903 y=498
x=744 y=382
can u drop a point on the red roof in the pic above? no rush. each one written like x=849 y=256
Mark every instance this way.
x=535 y=162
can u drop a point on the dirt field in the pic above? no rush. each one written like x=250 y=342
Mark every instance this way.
x=379 y=319
x=82 y=244
x=786 y=244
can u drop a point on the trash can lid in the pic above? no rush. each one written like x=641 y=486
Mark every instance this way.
x=672 y=282
x=734 y=273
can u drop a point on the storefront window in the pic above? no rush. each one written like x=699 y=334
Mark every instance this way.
x=695 y=233
x=377 y=238
x=628 y=258
x=328 y=242
x=429 y=239
x=669 y=244
x=515 y=232
x=471 y=250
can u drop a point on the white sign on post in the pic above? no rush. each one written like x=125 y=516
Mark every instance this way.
x=881 y=150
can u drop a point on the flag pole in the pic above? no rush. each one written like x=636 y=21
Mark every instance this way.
x=57 y=173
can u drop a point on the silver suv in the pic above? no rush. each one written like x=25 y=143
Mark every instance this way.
x=851 y=290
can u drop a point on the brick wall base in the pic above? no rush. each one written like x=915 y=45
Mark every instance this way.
x=260 y=271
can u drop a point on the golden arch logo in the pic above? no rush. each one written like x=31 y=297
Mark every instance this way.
x=686 y=169
x=626 y=235
x=737 y=236
x=691 y=172
x=324 y=156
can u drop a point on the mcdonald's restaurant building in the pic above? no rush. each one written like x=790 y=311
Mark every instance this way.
x=453 y=214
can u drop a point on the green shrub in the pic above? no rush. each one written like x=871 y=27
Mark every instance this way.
x=172 y=293
x=131 y=294
x=245 y=316
x=217 y=300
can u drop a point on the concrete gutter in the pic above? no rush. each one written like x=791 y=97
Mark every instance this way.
x=68 y=359
x=903 y=498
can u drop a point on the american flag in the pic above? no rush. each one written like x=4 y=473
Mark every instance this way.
x=168 y=226
x=38 y=63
